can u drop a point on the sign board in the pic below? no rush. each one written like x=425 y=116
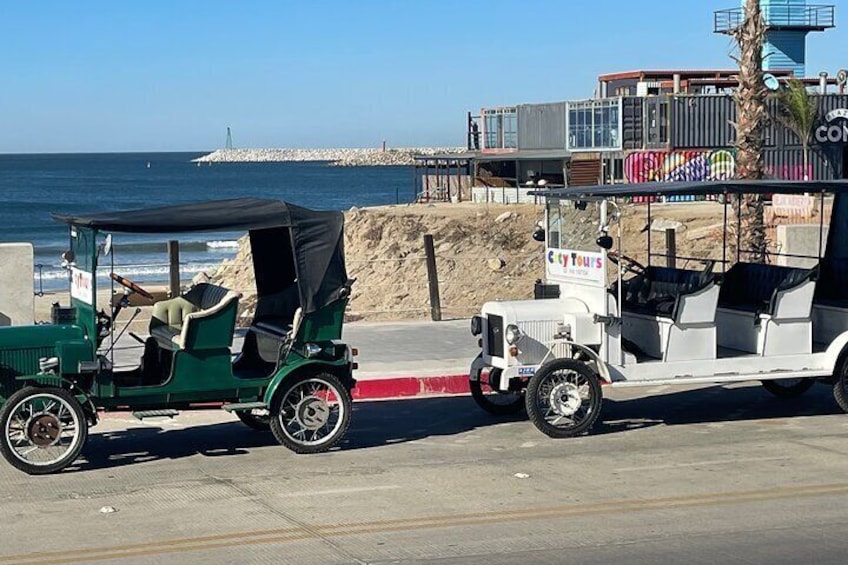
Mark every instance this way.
x=793 y=205
x=835 y=128
x=575 y=265
x=82 y=285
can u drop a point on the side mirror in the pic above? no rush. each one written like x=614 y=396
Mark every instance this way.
x=605 y=242
x=539 y=234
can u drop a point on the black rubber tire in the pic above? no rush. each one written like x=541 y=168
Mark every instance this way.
x=840 y=383
x=278 y=429
x=254 y=422
x=538 y=417
x=780 y=389
x=70 y=456
x=482 y=399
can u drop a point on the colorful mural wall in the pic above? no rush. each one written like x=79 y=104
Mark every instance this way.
x=665 y=166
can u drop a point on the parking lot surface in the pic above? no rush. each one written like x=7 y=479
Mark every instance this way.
x=709 y=475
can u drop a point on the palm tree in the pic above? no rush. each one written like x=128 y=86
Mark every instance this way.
x=751 y=121
x=799 y=112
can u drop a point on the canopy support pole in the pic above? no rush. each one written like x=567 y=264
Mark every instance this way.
x=724 y=238
x=821 y=225
x=738 y=227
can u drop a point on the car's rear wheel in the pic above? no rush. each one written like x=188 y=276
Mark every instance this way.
x=788 y=388
x=311 y=413
x=840 y=383
x=44 y=429
x=486 y=392
x=258 y=419
x=564 y=398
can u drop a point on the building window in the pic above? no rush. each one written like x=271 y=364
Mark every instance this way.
x=594 y=125
x=501 y=128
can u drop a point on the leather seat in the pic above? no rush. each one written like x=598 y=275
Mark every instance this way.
x=754 y=287
x=656 y=292
x=202 y=318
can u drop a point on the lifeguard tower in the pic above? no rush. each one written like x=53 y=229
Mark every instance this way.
x=787 y=24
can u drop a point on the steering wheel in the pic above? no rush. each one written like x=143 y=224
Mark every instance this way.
x=128 y=284
x=627 y=263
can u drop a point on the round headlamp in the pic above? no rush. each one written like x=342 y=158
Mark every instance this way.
x=513 y=334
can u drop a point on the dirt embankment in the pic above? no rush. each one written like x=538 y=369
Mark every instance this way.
x=483 y=252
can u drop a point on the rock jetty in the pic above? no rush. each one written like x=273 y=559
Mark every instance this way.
x=346 y=157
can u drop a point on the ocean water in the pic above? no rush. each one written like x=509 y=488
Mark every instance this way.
x=34 y=186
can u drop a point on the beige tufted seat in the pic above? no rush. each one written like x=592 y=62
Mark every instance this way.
x=202 y=318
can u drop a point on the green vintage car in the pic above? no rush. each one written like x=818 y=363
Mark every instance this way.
x=293 y=375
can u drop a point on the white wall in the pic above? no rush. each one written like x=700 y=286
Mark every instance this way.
x=17 y=301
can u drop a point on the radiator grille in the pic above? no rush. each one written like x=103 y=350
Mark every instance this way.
x=536 y=334
x=15 y=362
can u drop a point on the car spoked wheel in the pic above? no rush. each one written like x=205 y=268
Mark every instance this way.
x=788 y=388
x=564 y=398
x=258 y=419
x=840 y=383
x=312 y=414
x=44 y=430
x=487 y=394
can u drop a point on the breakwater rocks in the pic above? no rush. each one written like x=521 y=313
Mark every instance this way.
x=348 y=157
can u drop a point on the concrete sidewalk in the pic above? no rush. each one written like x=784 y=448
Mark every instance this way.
x=396 y=359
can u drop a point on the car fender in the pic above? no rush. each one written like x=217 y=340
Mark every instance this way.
x=57 y=381
x=600 y=366
x=477 y=367
x=300 y=365
x=835 y=351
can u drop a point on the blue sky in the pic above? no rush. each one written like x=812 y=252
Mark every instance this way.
x=172 y=75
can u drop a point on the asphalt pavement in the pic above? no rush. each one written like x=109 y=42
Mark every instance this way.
x=670 y=475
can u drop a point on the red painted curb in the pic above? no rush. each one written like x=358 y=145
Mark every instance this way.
x=401 y=387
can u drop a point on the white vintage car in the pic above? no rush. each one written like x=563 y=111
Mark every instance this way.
x=602 y=318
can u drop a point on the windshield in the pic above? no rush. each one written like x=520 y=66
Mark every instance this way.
x=570 y=227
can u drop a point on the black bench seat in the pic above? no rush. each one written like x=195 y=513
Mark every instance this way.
x=277 y=328
x=755 y=287
x=655 y=292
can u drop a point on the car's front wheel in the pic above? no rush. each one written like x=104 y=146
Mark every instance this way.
x=44 y=429
x=564 y=398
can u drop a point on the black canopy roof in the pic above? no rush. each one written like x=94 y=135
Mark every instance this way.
x=287 y=242
x=695 y=188
x=212 y=215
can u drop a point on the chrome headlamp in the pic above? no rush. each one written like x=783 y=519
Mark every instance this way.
x=513 y=334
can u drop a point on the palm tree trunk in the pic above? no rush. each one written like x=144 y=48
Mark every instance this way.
x=751 y=120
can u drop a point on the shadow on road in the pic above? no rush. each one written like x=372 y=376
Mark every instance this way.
x=384 y=423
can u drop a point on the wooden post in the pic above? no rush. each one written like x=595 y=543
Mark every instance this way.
x=671 y=248
x=458 y=181
x=174 y=267
x=432 y=278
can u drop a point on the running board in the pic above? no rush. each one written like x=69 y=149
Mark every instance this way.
x=242 y=406
x=166 y=413
x=725 y=378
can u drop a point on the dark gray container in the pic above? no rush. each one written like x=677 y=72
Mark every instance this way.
x=542 y=126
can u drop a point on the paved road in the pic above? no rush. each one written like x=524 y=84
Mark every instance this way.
x=714 y=475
